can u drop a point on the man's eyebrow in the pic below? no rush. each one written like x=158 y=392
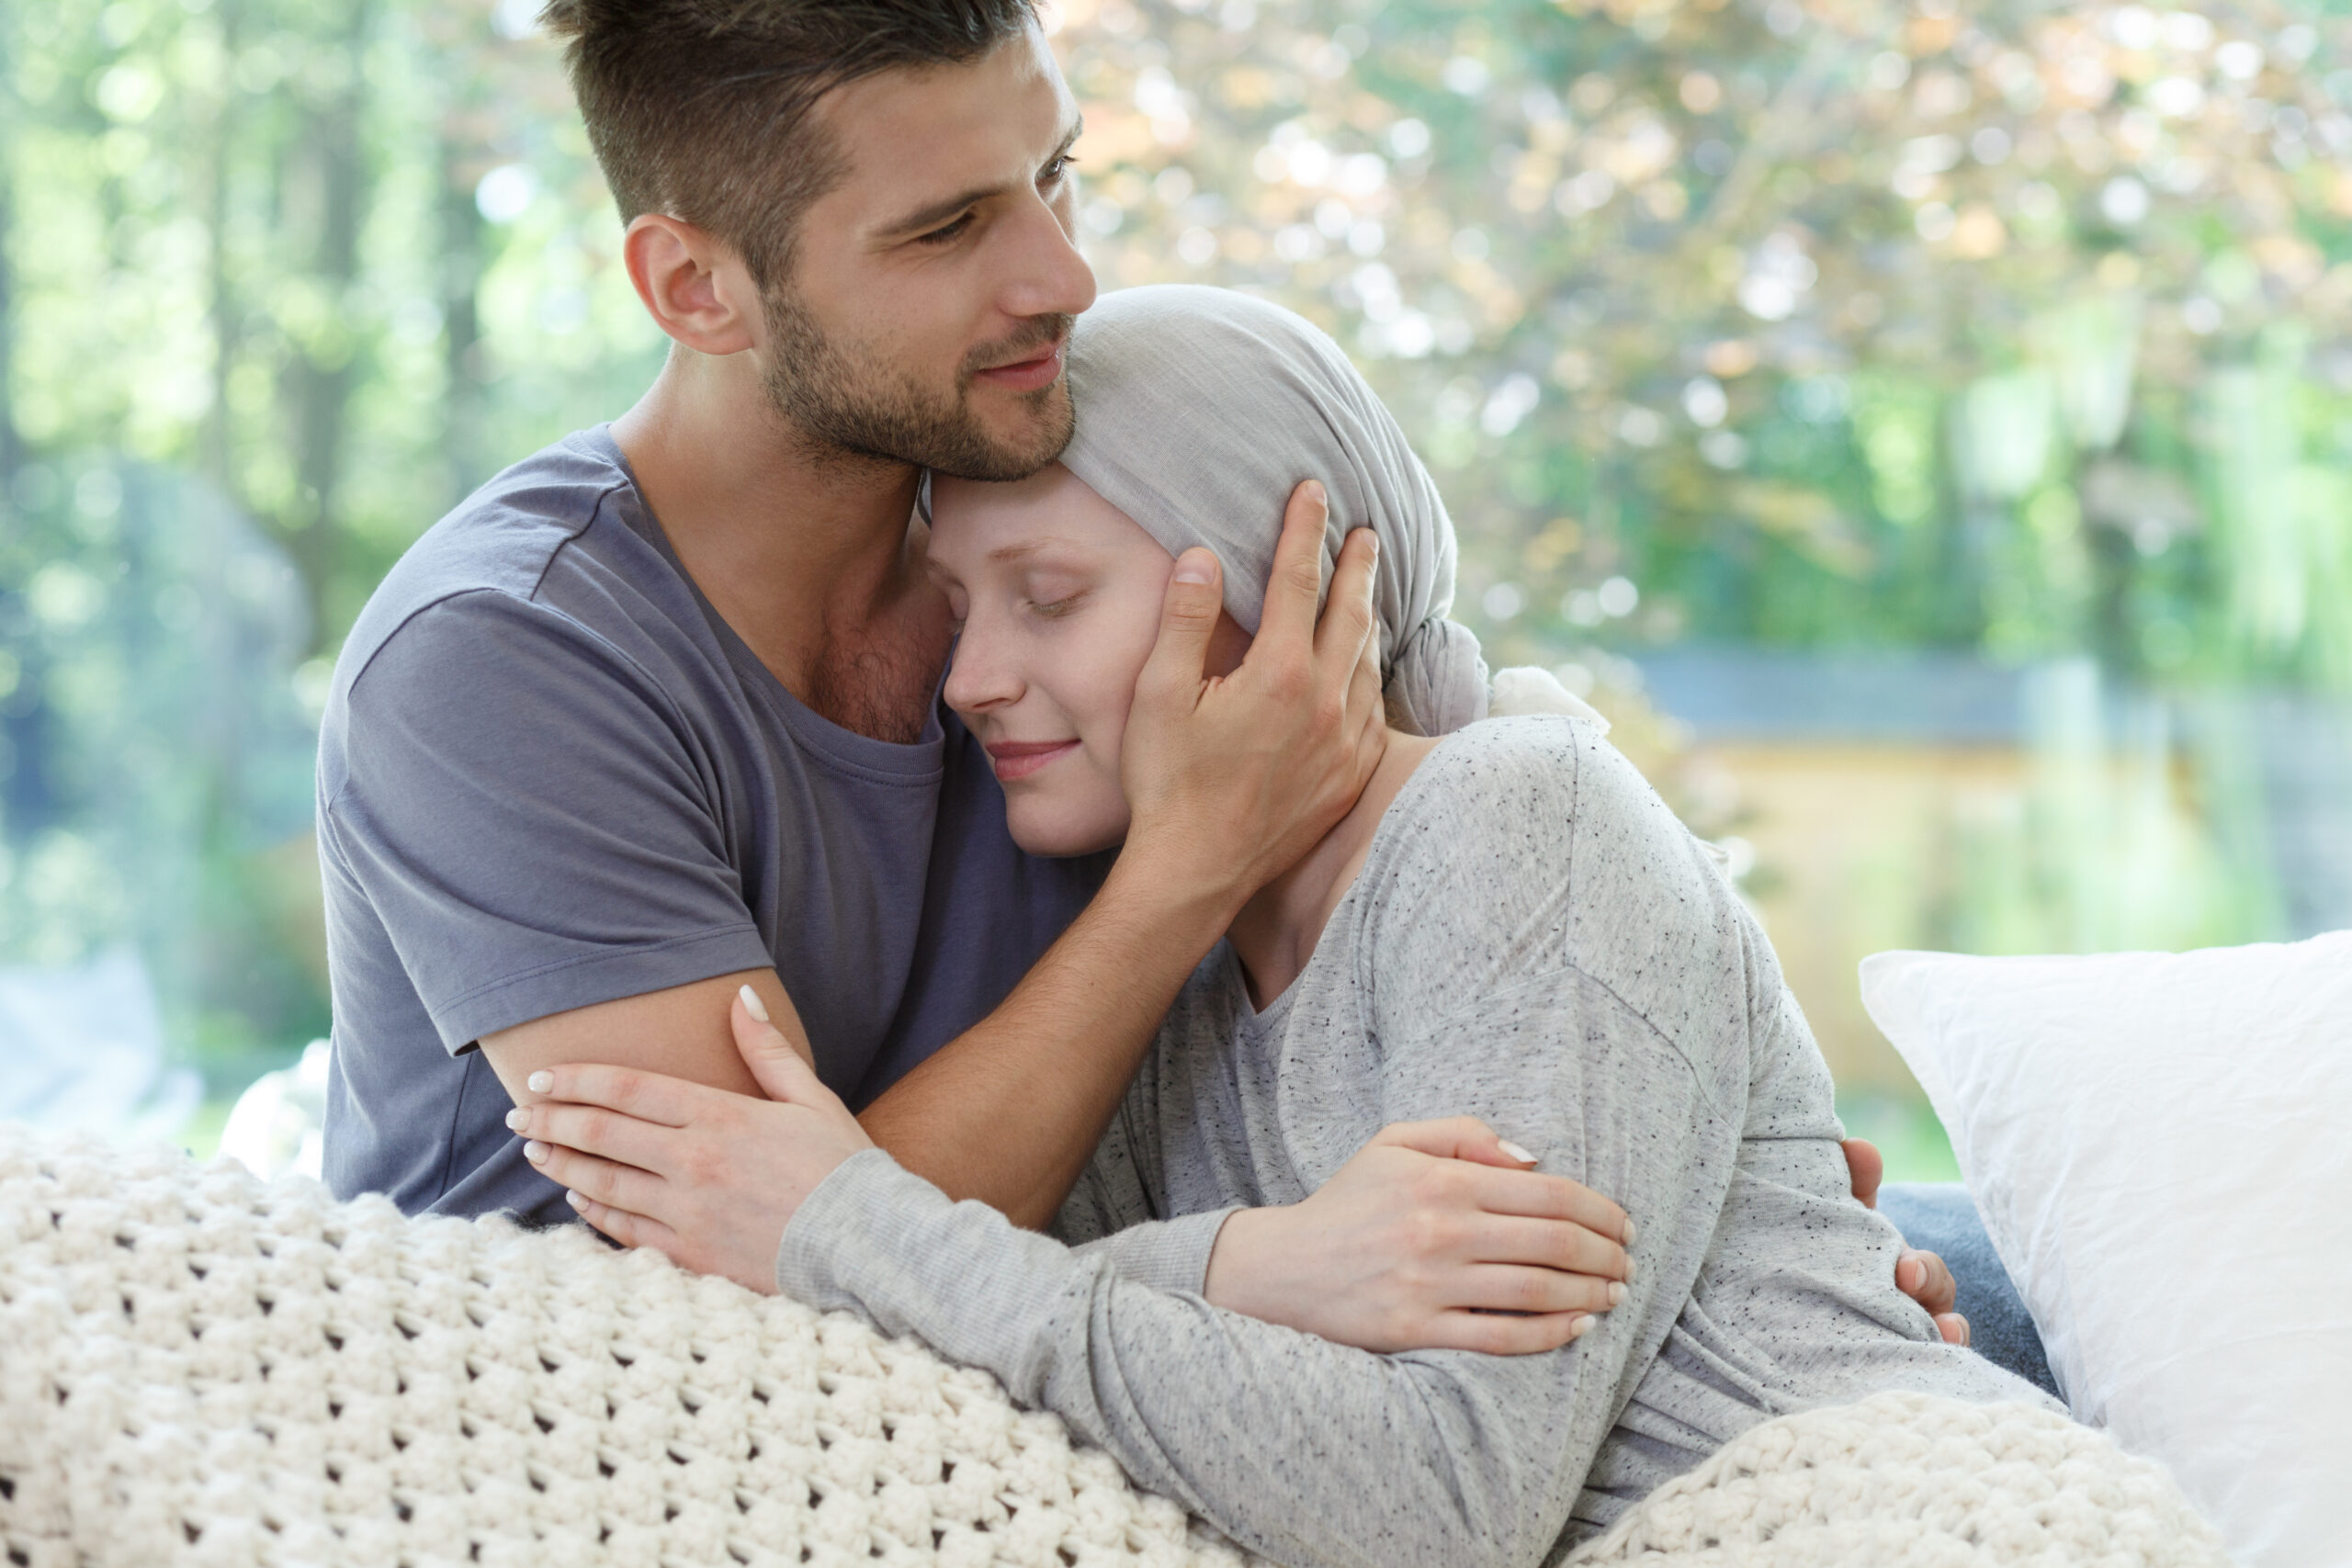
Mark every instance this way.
x=938 y=212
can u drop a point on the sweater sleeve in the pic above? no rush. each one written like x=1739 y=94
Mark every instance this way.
x=1314 y=1454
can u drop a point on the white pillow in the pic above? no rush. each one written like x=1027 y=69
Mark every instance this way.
x=2161 y=1146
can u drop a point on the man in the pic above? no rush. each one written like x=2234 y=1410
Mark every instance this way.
x=653 y=716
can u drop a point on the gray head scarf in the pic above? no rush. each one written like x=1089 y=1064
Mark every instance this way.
x=1200 y=409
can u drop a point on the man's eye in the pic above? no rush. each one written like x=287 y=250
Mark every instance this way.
x=1057 y=168
x=946 y=233
x=1053 y=609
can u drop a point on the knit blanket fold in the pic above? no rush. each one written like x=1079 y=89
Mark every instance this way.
x=199 y=1367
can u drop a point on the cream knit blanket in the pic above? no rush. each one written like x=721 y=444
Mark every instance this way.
x=197 y=1367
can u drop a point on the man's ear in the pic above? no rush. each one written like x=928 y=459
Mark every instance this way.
x=696 y=289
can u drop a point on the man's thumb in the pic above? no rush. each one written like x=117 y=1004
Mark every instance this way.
x=1187 y=617
x=783 y=1074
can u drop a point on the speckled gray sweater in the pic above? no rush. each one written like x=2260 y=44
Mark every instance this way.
x=1536 y=940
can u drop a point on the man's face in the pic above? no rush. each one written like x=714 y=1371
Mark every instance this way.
x=934 y=288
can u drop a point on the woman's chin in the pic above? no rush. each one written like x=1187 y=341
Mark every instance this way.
x=1059 y=836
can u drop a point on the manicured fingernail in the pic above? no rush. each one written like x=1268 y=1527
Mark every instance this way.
x=575 y=1199
x=1629 y=1269
x=1314 y=490
x=539 y=1082
x=1582 y=1322
x=1616 y=1293
x=1193 y=569
x=753 y=1005
x=517 y=1119
x=1514 y=1151
x=536 y=1152
x=1629 y=1233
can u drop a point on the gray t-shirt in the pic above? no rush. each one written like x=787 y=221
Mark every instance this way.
x=1534 y=940
x=550 y=775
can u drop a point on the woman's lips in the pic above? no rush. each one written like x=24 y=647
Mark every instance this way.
x=1027 y=375
x=1019 y=759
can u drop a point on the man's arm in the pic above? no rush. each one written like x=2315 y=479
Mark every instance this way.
x=1231 y=779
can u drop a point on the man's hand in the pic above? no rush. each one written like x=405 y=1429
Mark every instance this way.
x=707 y=1178
x=1436 y=1236
x=1234 y=777
x=1920 y=1275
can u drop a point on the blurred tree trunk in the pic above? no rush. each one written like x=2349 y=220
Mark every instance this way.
x=320 y=380
x=465 y=407
x=216 y=446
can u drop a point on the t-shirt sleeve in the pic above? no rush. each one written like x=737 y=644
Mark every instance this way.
x=533 y=818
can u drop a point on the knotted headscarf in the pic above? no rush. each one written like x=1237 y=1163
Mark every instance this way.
x=1199 y=410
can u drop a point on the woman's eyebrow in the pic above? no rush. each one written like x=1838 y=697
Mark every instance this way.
x=1024 y=549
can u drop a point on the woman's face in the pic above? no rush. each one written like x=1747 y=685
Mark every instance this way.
x=1058 y=593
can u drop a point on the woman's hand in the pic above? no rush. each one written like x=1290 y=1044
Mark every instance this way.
x=1920 y=1275
x=707 y=1178
x=1436 y=1236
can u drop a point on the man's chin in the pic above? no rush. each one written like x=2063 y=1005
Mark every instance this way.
x=1019 y=435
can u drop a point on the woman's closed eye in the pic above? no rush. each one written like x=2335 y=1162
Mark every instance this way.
x=1055 y=609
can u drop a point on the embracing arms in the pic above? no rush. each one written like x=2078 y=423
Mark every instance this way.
x=1231 y=779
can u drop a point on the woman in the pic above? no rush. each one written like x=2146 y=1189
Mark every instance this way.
x=1509 y=923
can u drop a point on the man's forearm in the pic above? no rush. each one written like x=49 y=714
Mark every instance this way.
x=1008 y=1111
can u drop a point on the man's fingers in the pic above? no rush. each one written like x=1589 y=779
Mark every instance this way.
x=1923 y=1277
x=1286 y=627
x=1499 y=1334
x=1865 y=1168
x=1561 y=1244
x=1953 y=1327
x=607 y=1181
x=1188 y=613
x=1348 y=625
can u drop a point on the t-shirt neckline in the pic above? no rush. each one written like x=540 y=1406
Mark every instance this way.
x=915 y=762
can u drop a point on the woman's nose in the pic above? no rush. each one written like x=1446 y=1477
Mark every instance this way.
x=977 y=678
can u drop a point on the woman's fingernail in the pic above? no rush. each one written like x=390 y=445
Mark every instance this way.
x=539 y=1082
x=1576 y=1328
x=1616 y=1293
x=517 y=1119
x=753 y=1005
x=1514 y=1151
x=536 y=1152
x=1629 y=1270
x=575 y=1199
x=1193 y=568
x=1314 y=490
x=1629 y=1233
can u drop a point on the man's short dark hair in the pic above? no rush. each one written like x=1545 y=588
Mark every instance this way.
x=700 y=108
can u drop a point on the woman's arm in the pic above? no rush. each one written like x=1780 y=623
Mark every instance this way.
x=1310 y=1452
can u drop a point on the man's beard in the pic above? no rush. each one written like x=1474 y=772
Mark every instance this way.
x=847 y=407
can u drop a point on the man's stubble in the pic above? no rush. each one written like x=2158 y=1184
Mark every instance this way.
x=843 y=406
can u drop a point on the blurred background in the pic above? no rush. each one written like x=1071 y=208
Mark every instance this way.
x=1927 y=429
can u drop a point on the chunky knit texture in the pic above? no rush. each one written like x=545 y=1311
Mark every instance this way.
x=199 y=1368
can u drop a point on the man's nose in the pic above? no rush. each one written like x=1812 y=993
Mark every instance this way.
x=1053 y=278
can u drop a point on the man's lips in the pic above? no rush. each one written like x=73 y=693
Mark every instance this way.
x=1019 y=759
x=1039 y=370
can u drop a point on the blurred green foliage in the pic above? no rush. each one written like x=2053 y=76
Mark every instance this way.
x=1816 y=323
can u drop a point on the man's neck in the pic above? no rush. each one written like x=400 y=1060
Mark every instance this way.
x=1276 y=933
x=810 y=556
